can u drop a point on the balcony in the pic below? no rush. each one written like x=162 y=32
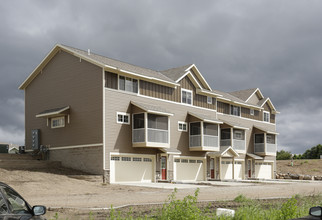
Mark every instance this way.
x=265 y=144
x=235 y=138
x=150 y=130
x=203 y=136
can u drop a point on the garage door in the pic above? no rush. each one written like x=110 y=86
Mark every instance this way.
x=226 y=169
x=238 y=170
x=137 y=168
x=263 y=170
x=191 y=169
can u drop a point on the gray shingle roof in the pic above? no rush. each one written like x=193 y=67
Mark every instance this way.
x=243 y=94
x=175 y=73
x=121 y=65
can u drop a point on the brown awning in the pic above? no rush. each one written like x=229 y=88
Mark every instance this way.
x=53 y=112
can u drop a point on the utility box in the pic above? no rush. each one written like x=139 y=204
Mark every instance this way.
x=4 y=148
x=35 y=139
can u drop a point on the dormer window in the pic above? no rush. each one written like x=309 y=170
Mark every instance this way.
x=186 y=96
x=209 y=100
x=266 y=116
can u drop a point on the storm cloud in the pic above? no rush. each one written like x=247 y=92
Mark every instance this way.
x=271 y=44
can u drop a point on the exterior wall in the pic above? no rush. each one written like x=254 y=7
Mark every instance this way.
x=157 y=91
x=254 y=99
x=223 y=107
x=118 y=136
x=88 y=159
x=245 y=112
x=66 y=81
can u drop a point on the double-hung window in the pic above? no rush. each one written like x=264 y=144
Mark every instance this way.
x=266 y=116
x=235 y=110
x=123 y=118
x=186 y=96
x=128 y=84
x=209 y=100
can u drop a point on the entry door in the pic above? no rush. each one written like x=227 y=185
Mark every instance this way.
x=249 y=168
x=163 y=167
x=212 y=168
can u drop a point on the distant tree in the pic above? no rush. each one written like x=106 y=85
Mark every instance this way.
x=297 y=156
x=283 y=155
x=313 y=153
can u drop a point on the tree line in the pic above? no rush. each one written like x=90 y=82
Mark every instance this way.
x=313 y=153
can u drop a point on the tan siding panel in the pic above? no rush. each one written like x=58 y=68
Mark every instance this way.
x=66 y=81
x=156 y=91
x=111 y=80
x=223 y=107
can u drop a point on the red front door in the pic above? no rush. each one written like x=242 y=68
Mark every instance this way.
x=163 y=168
x=249 y=166
x=212 y=168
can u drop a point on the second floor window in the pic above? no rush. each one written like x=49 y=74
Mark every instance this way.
x=235 y=110
x=128 y=84
x=186 y=96
x=266 y=116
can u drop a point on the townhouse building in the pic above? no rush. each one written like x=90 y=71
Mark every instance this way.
x=133 y=124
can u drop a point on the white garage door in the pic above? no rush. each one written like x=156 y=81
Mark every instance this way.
x=238 y=170
x=263 y=170
x=191 y=169
x=138 y=168
x=226 y=169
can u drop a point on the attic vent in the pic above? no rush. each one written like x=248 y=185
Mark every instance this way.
x=89 y=52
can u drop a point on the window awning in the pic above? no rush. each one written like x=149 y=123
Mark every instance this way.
x=170 y=151
x=53 y=112
x=254 y=156
x=205 y=118
x=225 y=152
x=234 y=125
x=266 y=130
x=152 y=109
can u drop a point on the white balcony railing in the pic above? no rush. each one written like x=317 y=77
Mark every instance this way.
x=225 y=142
x=158 y=136
x=210 y=141
x=271 y=148
x=195 y=140
x=239 y=144
x=259 y=148
x=138 y=135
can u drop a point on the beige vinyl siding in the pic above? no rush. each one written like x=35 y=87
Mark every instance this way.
x=245 y=112
x=223 y=107
x=254 y=99
x=119 y=136
x=272 y=118
x=66 y=81
x=157 y=91
x=198 y=80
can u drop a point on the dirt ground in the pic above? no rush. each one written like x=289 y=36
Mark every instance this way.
x=304 y=167
x=56 y=190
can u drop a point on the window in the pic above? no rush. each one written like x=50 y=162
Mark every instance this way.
x=186 y=96
x=195 y=128
x=270 y=138
x=137 y=159
x=235 y=110
x=209 y=100
x=225 y=134
x=259 y=138
x=128 y=84
x=192 y=161
x=123 y=118
x=115 y=158
x=177 y=160
x=159 y=122
x=210 y=129
x=182 y=126
x=252 y=112
x=239 y=134
x=266 y=116
x=58 y=122
x=199 y=161
x=147 y=159
x=138 y=121
x=184 y=161
x=126 y=158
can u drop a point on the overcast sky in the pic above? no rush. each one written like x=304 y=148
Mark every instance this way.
x=273 y=45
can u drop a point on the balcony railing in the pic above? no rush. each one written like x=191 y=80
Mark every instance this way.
x=210 y=141
x=158 y=136
x=195 y=140
x=239 y=144
x=259 y=148
x=138 y=135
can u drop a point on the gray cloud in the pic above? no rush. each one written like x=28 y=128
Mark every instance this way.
x=274 y=45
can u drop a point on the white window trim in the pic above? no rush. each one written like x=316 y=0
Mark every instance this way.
x=118 y=84
x=209 y=98
x=190 y=91
x=269 y=116
x=252 y=112
x=183 y=123
x=57 y=118
x=231 y=107
x=123 y=114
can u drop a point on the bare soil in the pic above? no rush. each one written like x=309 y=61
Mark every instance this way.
x=73 y=198
x=304 y=167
